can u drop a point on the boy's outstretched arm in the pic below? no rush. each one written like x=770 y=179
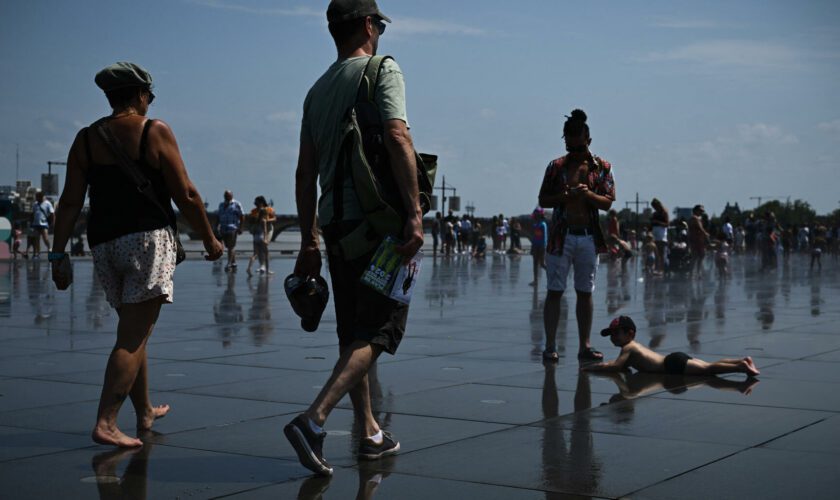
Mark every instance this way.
x=616 y=365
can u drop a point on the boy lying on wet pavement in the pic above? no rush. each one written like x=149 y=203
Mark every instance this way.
x=622 y=333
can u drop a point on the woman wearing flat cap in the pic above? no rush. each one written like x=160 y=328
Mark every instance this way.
x=130 y=233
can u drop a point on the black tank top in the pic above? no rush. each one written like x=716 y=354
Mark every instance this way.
x=117 y=208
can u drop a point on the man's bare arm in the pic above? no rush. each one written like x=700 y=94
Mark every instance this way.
x=306 y=199
x=403 y=163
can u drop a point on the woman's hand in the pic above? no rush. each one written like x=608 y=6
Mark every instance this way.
x=62 y=272
x=214 y=249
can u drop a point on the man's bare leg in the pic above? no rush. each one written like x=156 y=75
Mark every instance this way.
x=352 y=366
x=134 y=327
x=583 y=310
x=551 y=318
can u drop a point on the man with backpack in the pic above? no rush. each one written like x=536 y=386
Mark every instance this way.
x=368 y=322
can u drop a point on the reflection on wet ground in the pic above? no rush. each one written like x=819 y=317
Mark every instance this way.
x=477 y=413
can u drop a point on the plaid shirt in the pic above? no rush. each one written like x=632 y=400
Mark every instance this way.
x=230 y=217
x=599 y=180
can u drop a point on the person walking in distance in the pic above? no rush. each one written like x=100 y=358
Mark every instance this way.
x=576 y=186
x=229 y=226
x=368 y=322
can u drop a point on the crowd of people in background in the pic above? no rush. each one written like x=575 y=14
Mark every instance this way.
x=665 y=245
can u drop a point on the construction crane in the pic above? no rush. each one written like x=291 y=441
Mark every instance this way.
x=51 y=163
x=767 y=197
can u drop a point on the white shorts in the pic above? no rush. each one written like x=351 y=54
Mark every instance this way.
x=136 y=267
x=660 y=233
x=578 y=252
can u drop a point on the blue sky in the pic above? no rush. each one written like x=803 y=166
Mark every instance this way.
x=692 y=102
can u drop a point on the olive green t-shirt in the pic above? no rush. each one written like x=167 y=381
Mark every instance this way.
x=324 y=110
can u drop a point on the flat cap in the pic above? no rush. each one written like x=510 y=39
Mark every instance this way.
x=347 y=10
x=121 y=75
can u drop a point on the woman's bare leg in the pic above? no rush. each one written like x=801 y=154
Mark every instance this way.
x=135 y=325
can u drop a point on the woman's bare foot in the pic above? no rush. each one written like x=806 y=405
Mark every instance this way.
x=751 y=369
x=145 y=422
x=113 y=436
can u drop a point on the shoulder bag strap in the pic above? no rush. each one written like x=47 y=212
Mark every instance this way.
x=128 y=166
x=367 y=85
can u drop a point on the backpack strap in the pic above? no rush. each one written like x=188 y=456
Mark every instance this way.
x=367 y=85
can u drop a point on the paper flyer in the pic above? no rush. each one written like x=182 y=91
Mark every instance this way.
x=388 y=276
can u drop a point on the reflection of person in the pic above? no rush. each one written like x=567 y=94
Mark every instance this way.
x=622 y=333
x=576 y=186
x=229 y=226
x=573 y=462
x=133 y=483
x=228 y=312
x=368 y=322
x=638 y=384
x=131 y=237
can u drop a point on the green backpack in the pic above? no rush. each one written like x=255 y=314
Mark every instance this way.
x=364 y=159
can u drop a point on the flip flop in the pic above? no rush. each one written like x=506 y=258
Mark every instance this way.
x=590 y=354
x=551 y=356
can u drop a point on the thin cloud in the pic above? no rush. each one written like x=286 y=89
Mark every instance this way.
x=263 y=11
x=283 y=117
x=763 y=133
x=729 y=54
x=832 y=127
x=681 y=24
x=409 y=26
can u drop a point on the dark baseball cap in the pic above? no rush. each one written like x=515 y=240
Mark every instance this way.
x=347 y=10
x=619 y=323
x=121 y=75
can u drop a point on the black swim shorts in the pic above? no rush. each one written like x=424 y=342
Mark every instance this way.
x=361 y=312
x=675 y=362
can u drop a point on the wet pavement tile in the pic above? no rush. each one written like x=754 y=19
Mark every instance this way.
x=557 y=460
x=477 y=413
x=20 y=394
x=188 y=412
x=380 y=482
x=804 y=370
x=22 y=443
x=153 y=471
x=770 y=345
x=730 y=424
x=821 y=437
x=754 y=473
x=491 y=403
x=171 y=376
x=188 y=350
x=778 y=393
x=264 y=437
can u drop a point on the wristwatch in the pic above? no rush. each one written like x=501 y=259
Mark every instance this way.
x=56 y=256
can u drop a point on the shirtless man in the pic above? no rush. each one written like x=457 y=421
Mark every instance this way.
x=575 y=186
x=622 y=333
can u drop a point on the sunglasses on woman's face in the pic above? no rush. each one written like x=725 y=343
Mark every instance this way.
x=151 y=97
